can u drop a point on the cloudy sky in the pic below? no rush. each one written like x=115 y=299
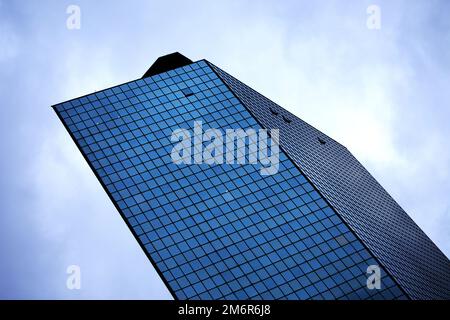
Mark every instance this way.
x=382 y=93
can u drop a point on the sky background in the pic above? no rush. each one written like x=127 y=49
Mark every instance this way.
x=384 y=94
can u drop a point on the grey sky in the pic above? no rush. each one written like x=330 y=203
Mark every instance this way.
x=382 y=93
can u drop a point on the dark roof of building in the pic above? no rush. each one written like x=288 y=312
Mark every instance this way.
x=166 y=63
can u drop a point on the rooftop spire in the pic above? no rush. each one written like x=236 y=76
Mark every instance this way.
x=166 y=63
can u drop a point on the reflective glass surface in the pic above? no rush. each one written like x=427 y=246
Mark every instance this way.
x=220 y=231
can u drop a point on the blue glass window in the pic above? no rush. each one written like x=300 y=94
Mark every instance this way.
x=214 y=231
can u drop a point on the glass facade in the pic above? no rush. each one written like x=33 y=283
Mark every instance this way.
x=408 y=255
x=221 y=231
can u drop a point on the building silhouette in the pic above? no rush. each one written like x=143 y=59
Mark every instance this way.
x=321 y=227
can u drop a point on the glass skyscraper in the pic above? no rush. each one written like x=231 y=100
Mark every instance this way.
x=314 y=229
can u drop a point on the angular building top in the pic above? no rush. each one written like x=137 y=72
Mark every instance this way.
x=311 y=230
x=167 y=63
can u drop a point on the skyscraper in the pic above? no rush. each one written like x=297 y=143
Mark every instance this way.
x=319 y=226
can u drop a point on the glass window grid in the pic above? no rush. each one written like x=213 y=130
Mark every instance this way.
x=212 y=87
x=353 y=203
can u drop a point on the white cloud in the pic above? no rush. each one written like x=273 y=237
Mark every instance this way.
x=9 y=42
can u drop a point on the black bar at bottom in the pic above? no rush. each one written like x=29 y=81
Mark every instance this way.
x=225 y=309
